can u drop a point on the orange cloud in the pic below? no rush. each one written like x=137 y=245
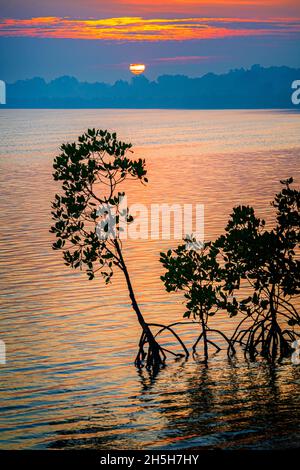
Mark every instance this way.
x=140 y=29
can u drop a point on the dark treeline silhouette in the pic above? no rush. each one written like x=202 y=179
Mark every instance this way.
x=257 y=87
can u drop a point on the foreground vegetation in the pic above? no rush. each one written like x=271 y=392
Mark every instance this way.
x=248 y=257
x=212 y=277
x=90 y=172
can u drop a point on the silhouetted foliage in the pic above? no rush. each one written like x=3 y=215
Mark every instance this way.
x=247 y=256
x=199 y=275
x=268 y=262
x=90 y=171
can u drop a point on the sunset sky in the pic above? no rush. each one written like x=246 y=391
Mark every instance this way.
x=96 y=40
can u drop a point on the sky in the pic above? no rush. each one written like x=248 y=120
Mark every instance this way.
x=96 y=40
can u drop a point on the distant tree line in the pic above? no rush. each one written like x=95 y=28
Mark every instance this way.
x=257 y=87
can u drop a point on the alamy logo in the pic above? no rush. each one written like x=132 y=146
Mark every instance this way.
x=138 y=222
x=2 y=92
x=296 y=353
x=296 y=94
x=2 y=352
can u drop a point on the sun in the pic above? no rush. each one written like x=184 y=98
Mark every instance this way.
x=137 y=69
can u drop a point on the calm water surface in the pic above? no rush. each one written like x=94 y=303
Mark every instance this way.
x=69 y=381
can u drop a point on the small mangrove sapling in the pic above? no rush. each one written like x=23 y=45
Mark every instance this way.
x=199 y=275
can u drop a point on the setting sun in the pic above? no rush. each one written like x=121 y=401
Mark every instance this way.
x=137 y=69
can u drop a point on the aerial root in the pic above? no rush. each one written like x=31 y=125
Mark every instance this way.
x=265 y=337
x=151 y=354
x=209 y=341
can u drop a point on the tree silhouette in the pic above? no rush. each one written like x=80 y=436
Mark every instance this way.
x=199 y=275
x=248 y=256
x=267 y=263
x=90 y=172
